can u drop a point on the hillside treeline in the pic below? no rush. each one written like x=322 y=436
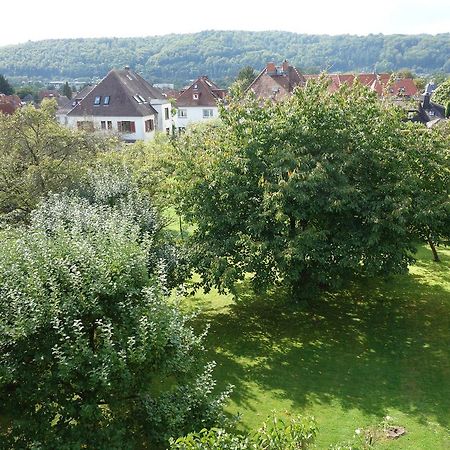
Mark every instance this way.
x=178 y=58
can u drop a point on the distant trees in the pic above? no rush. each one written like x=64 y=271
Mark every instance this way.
x=5 y=87
x=221 y=54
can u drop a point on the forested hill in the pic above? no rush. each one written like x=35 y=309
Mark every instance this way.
x=177 y=58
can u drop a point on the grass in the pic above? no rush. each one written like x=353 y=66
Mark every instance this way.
x=376 y=348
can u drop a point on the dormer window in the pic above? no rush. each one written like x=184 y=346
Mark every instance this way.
x=195 y=95
x=97 y=100
x=106 y=100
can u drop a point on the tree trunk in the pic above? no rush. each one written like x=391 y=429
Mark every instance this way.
x=433 y=249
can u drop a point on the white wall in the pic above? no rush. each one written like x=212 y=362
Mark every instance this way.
x=160 y=105
x=139 y=122
x=194 y=114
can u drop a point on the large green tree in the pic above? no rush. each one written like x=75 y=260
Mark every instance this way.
x=307 y=192
x=92 y=354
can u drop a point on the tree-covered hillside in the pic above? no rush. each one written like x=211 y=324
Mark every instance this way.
x=220 y=54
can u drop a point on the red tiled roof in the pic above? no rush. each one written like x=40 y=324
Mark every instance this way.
x=9 y=103
x=380 y=83
x=404 y=87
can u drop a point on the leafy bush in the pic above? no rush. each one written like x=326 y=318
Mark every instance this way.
x=298 y=433
x=92 y=355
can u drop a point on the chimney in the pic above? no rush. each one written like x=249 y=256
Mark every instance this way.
x=426 y=101
x=271 y=68
x=285 y=66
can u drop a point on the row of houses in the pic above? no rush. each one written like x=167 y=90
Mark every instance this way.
x=125 y=103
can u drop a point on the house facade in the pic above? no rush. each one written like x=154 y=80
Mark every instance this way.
x=123 y=103
x=199 y=102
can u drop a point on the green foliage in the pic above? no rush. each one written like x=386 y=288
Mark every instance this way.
x=297 y=434
x=221 y=54
x=38 y=156
x=428 y=181
x=442 y=94
x=307 y=192
x=150 y=165
x=92 y=355
x=5 y=87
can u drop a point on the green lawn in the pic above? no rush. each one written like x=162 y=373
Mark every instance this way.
x=377 y=348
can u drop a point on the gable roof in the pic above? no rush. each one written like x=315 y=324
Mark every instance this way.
x=202 y=92
x=129 y=96
x=275 y=81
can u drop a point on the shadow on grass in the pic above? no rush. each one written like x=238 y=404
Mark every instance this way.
x=375 y=345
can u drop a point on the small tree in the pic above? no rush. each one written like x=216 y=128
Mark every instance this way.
x=38 y=156
x=92 y=355
x=244 y=78
x=67 y=90
x=5 y=87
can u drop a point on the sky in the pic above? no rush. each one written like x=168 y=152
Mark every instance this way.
x=49 y=19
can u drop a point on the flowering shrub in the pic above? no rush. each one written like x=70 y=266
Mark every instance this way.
x=92 y=354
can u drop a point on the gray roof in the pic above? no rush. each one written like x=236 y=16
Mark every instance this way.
x=129 y=96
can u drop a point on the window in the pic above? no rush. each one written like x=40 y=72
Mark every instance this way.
x=207 y=113
x=103 y=125
x=106 y=100
x=182 y=113
x=166 y=113
x=126 y=127
x=149 y=125
x=136 y=97
x=142 y=98
x=195 y=96
x=97 y=100
x=109 y=123
x=168 y=131
x=181 y=130
x=85 y=125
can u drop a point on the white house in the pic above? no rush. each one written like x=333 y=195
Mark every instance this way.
x=198 y=102
x=123 y=102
